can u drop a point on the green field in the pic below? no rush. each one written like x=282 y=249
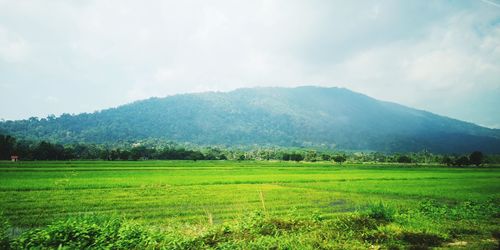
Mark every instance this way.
x=460 y=206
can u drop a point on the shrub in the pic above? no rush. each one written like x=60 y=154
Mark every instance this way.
x=380 y=211
x=4 y=233
x=422 y=240
x=463 y=210
x=84 y=233
x=348 y=227
x=372 y=228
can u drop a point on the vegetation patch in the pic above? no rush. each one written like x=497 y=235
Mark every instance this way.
x=421 y=240
x=381 y=212
x=211 y=204
x=256 y=231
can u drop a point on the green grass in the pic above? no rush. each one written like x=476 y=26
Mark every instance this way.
x=425 y=203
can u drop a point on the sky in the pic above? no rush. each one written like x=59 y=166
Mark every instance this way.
x=80 y=56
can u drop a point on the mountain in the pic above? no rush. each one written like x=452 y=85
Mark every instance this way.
x=333 y=118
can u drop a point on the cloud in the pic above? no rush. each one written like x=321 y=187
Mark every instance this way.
x=453 y=63
x=91 y=55
x=13 y=48
x=52 y=100
x=491 y=3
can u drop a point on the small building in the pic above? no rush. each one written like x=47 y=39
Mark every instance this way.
x=14 y=158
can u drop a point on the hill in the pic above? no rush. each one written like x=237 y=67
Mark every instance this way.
x=333 y=118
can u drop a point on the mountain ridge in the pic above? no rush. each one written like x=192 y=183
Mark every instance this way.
x=306 y=116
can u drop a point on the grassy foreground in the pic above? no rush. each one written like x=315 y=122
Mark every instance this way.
x=249 y=205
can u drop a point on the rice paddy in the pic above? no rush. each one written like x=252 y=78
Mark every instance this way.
x=165 y=193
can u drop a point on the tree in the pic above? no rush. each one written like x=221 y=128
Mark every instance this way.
x=476 y=158
x=296 y=157
x=447 y=160
x=286 y=156
x=311 y=156
x=24 y=150
x=195 y=155
x=339 y=159
x=326 y=157
x=240 y=157
x=404 y=159
x=114 y=154
x=124 y=155
x=139 y=152
x=461 y=161
x=7 y=144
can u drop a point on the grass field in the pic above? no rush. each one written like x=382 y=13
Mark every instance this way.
x=459 y=206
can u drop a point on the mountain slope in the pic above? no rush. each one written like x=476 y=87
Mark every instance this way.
x=305 y=116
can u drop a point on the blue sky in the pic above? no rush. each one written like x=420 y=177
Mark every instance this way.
x=81 y=56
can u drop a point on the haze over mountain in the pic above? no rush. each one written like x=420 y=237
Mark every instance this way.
x=333 y=118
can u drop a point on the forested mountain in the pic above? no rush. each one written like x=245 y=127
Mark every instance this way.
x=333 y=118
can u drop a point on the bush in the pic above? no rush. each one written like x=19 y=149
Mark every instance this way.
x=380 y=211
x=371 y=228
x=4 y=233
x=463 y=210
x=422 y=240
x=84 y=233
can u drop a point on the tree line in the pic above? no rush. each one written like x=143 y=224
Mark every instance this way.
x=43 y=150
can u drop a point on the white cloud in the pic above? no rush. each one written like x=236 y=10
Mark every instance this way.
x=52 y=99
x=430 y=54
x=454 y=61
x=13 y=48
